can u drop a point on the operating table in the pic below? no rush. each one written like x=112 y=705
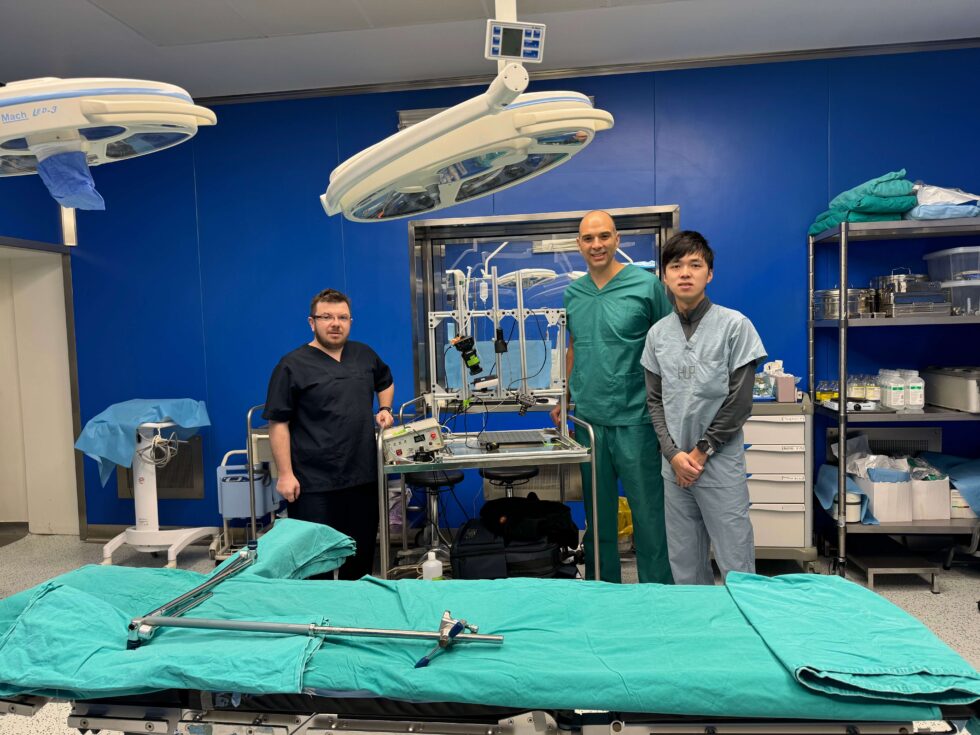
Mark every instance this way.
x=586 y=658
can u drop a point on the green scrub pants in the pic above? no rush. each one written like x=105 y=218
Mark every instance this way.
x=630 y=454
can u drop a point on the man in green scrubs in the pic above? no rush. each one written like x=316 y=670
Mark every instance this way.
x=609 y=311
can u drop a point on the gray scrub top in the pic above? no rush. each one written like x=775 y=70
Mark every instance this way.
x=695 y=377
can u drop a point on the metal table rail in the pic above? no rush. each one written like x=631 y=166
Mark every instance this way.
x=464 y=452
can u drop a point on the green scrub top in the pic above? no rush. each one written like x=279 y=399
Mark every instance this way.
x=609 y=327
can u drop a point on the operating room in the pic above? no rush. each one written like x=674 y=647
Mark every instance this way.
x=741 y=120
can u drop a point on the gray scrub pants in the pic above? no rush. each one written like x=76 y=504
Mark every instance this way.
x=701 y=517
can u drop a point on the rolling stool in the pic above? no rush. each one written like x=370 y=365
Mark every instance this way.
x=433 y=483
x=508 y=477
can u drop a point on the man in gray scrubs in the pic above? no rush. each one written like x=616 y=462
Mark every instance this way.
x=700 y=366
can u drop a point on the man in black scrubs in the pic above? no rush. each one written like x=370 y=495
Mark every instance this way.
x=321 y=427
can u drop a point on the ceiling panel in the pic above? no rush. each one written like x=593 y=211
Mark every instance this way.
x=294 y=17
x=180 y=22
x=70 y=38
x=387 y=14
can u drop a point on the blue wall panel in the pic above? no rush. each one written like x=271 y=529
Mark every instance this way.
x=27 y=211
x=139 y=332
x=916 y=111
x=265 y=246
x=743 y=152
x=227 y=237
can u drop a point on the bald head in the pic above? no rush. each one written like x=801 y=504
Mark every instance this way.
x=598 y=242
x=597 y=217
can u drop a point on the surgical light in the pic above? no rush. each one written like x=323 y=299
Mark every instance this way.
x=60 y=127
x=479 y=147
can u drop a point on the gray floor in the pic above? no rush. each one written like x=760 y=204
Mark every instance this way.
x=10 y=532
x=952 y=615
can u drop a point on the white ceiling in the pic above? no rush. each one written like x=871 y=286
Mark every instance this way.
x=234 y=47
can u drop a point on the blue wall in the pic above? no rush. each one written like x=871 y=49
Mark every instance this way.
x=27 y=212
x=197 y=278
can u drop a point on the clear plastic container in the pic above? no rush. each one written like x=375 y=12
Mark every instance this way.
x=823 y=391
x=892 y=390
x=855 y=388
x=431 y=567
x=954 y=264
x=915 y=393
x=965 y=296
x=872 y=390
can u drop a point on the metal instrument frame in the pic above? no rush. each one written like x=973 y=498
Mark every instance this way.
x=426 y=250
x=201 y=714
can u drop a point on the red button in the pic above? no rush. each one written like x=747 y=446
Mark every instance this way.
x=432 y=435
x=398 y=452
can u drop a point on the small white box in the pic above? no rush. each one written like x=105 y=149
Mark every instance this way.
x=959 y=508
x=888 y=501
x=789 y=429
x=930 y=500
x=775 y=459
x=777 y=488
x=778 y=524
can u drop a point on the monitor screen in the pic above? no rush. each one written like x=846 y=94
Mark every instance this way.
x=511 y=42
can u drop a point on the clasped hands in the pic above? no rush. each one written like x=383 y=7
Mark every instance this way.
x=688 y=466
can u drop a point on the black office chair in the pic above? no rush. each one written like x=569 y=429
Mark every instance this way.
x=433 y=483
x=508 y=477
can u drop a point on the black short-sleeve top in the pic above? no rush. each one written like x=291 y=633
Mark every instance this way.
x=329 y=406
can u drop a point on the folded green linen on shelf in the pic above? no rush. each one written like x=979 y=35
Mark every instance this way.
x=881 y=199
x=891 y=192
x=832 y=218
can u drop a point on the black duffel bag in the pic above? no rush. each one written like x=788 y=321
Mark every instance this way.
x=478 y=553
x=530 y=519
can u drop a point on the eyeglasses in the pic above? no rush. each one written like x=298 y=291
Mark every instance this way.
x=328 y=318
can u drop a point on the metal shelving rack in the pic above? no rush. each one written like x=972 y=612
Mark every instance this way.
x=843 y=235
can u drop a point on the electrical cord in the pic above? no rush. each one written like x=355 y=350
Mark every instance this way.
x=525 y=400
x=160 y=450
x=462 y=510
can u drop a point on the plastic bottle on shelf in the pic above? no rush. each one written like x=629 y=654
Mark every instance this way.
x=823 y=391
x=431 y=567
x=834 y=391
x=892 y=390
x=855 y=388
x=872 y=391
x=915 y=393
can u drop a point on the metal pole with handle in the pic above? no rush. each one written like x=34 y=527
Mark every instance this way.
x=594 y=519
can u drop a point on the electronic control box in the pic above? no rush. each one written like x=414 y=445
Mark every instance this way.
x=403 y=443
x=515 y=41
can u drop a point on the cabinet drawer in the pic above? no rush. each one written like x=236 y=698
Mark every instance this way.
x=777 y=488
x=778 y=524
x=775 y=430
x=775 y=459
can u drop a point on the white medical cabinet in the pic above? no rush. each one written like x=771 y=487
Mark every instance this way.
x=778 y=463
